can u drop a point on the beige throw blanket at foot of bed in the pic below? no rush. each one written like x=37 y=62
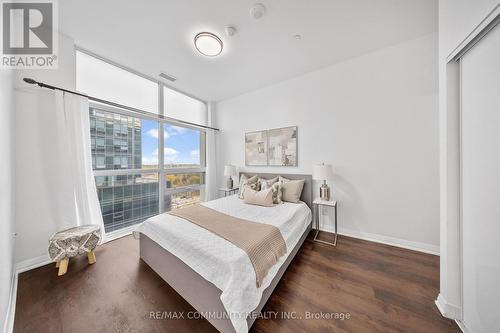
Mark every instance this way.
x=263 y=243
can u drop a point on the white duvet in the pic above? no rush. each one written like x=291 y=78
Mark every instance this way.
x=219 y=261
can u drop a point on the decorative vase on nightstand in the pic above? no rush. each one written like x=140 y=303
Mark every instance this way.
x=324 y=192
x=229 y=183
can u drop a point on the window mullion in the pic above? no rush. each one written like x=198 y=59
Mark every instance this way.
x=184 y=189
x=117 y=172
x=161 y=155
x=175 y=171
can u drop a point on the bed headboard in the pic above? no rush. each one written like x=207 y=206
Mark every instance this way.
x=307 y=191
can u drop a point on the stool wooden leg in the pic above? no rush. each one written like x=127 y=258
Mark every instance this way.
x=91 y=257
x=63 y=266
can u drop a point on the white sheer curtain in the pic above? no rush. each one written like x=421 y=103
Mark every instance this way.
x=211 y=170
x=72 y=122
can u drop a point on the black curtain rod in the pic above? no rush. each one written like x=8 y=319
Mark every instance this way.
x=149 y=114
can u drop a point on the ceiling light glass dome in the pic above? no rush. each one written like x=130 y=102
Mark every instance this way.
x=208 y=44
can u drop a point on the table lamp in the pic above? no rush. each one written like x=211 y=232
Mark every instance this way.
x=229 y=171
x=323 y=172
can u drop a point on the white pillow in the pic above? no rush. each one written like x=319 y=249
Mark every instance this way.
x=291 y=189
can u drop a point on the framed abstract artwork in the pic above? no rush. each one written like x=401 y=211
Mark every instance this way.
x=274 y=147
x=282 y=146
x=256 y=148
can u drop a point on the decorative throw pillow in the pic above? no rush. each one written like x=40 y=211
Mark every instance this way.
x=267 y=183
x=253 y=182
x=260 y=198
x=283 y=179
x=240 y=184
x=291 y=189
x=276 y=188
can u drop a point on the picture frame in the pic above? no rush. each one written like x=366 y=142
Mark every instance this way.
x=282 y=146
x=256 y=148
x=272 y=147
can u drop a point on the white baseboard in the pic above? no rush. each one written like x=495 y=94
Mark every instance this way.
x=32 y=263
x=8 y=325
x=452 y=312
x=462 y=326
x=111 y=236
x=448 y=310
x=20 y=267
x=411 y=245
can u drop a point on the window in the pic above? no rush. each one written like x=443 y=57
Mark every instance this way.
x=103 y=80
x=182 y=147
x=182 y=107
x=132 y=182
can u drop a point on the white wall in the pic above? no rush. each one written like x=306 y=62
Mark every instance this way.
x=6 y=201
x=457 y=20
x=34 y=135
x=375 y=118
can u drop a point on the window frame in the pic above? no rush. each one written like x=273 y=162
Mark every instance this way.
x=161 y=170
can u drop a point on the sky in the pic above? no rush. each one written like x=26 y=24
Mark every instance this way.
x=182 y=145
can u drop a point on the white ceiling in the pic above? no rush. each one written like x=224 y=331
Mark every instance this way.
x=155 y=36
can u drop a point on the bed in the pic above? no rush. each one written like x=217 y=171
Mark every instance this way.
x=212 y=274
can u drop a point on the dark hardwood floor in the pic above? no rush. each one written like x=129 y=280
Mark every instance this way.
x=381 y=288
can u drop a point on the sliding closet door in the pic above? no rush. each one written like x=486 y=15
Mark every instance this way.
x=480 y=77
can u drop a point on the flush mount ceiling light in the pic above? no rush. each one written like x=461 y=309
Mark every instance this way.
x=208 y=44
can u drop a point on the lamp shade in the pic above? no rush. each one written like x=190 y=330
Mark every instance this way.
x=323 y=171
x=229 y=170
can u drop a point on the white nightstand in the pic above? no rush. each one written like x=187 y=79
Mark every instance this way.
x=317 y=203
x=229 y=191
